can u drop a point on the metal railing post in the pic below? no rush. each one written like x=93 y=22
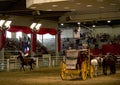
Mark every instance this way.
x=37 y=62
x=8 y=64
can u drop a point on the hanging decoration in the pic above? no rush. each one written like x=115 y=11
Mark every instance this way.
x=27 y=30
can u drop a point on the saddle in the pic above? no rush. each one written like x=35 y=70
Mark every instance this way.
x=27 y=61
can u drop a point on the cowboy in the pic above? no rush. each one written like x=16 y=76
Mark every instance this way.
x=113 y=64
x=105 y=63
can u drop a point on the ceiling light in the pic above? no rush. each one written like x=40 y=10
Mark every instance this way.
x=102 y=7
x=33 y=7
x=54 y=5
x=73 y=9
x=61 y=24
x=113 y=4
x=7 y=23
x=49 y=9
x=78 y=23
x=33 y=25
x=78 y=3
x=89 y=5
x=38 y=26
x=93 y=26
x=66 y=7
x=108 y=21
x=2 y=22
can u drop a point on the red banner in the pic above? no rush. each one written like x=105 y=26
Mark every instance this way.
x=27 y=30
x=111 y=48
x=96 y=51
x=2 y=39
x=108 y=48
x=23 y=29
x=51 y=31
x=34 y=42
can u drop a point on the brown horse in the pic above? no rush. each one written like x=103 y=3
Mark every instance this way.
x=25 y=61
x=109 y=61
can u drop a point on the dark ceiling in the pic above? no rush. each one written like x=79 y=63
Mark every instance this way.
x=18 y=7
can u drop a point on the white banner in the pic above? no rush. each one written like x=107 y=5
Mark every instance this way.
x=71 y=64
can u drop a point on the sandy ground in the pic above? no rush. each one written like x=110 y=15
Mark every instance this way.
x=48 y=77
x=56 y=80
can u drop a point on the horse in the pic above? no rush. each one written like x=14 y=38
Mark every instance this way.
x=82 y=56
x=96 y=63
x=25 y=62
x=109 y=61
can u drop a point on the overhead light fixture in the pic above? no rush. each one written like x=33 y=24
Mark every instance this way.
x=102 y=7
x=38 y=26
x=78 y=3
x=54 y=5
x=73 y=9
x=108 y=21
x=66 y=7
x=5 y=24
x=89 y=5
x=113 y=4
x=93 y=26
x=49 y=9
x=61 y=24
x=35 y=26
x=2 y=22
x=33 y=7
x=78 y=23
x=8 y=23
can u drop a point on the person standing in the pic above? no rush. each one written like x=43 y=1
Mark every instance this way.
x=105 y=64
x=113 y=64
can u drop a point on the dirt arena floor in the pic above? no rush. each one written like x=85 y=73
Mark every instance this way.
x=51 y=76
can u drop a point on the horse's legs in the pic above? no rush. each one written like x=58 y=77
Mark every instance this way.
x=105 y=69
x=112 y=69
x=30 y=63
x=31 y=67
x=105 y=66
x=96 y=70
x=94 y=63
x=22 y=67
